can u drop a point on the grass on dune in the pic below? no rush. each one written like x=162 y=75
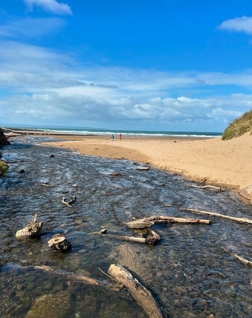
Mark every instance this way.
x=239 y=127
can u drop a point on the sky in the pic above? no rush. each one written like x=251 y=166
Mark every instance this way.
x=169 y=65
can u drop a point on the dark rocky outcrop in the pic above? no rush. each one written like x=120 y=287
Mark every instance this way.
x=3 y=140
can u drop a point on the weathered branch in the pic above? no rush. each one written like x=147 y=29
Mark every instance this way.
x=210 y=187
x=136 y=289
x=240 y=220
x=151 y=237
x=69 y=203
x=142 y=168
x=68 y=275
x=46 y=184
x=240 y=258
x=149 y=221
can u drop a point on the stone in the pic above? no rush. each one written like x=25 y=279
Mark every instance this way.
x=3 y=139
x=50 y=305
x=115 y=174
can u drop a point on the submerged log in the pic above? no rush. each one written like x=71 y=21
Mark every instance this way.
x=32 y=230
x=136 y=289
x=240 y=220
x=68 y=275
x=126 y=238
x=59 y=243
x=240 y=258
x=149 y=221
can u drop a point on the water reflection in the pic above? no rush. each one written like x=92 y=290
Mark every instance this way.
x=187 y=272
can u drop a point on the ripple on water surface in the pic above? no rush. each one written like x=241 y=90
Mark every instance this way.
x=187 y=272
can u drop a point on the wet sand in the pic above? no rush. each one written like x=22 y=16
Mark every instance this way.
x=225 y=163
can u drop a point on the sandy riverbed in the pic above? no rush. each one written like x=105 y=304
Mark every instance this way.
x=227 y=163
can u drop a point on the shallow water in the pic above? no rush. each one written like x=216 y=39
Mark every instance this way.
x=187 y=272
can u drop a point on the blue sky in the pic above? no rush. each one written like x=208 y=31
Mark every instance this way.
x=125 y=64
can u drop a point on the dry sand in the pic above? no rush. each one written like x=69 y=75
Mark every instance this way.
x=225 y=163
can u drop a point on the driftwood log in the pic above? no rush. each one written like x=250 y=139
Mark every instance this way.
x=142 y=168
x=32 y=230
x=69 y=203
x=68 y=275
x=136 y=289
x=149 y=221
x=240 y=258
x=59 y=243
x=46 y=184
x=151 y=238
x=209 y=187
x=240 y=220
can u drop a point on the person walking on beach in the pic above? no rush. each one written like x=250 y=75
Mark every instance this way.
x=112 y=137
x=120 y=136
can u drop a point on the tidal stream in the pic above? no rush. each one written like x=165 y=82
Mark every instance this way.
x=187 y=272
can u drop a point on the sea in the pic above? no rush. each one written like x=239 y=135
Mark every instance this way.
x=128 y=132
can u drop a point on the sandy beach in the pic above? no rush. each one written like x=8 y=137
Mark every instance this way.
x=224 y=163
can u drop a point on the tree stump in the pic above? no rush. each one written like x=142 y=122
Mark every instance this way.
x=33 y=229
x=59 y=243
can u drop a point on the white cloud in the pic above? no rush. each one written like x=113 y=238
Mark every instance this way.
x=35 y=69
x=50 y=6
x=243 y=24
x=39 y=85
x=89 y=110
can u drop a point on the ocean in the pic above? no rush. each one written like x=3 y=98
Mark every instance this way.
x=94 y=131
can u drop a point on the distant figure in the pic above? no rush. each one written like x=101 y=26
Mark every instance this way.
x=112 y=137
x=120 y=136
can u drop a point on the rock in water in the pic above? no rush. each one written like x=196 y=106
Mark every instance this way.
x=246 y=192
x=3 y=140
x=53 y=306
